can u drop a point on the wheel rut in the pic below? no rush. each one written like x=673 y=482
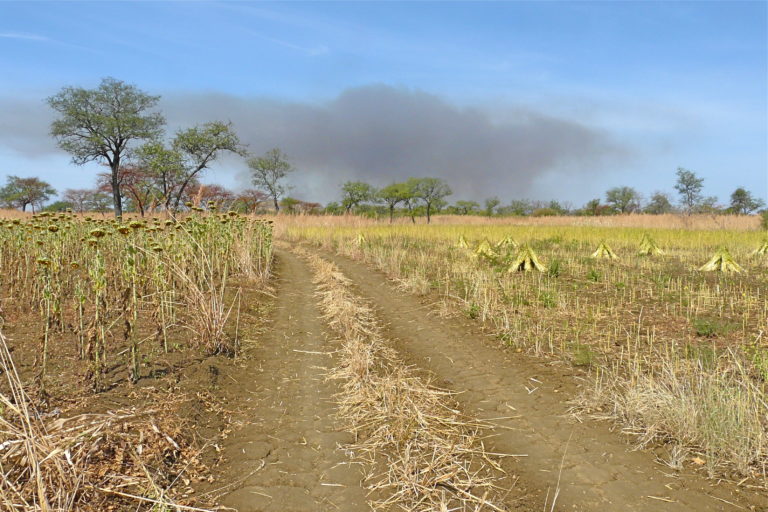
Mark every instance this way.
x=289 y=456
x=600 y=471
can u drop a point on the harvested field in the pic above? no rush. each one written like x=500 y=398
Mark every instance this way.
x=333 y=386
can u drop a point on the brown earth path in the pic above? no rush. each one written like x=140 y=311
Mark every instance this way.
x=291 y=446
x=599 y=469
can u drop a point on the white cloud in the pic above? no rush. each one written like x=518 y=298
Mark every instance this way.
x=24 y=36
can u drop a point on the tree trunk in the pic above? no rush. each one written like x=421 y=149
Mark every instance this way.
x=277 y=206
x=429 y=206
x=117 y=200
x=391 y=213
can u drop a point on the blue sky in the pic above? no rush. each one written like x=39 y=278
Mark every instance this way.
x=664 y=84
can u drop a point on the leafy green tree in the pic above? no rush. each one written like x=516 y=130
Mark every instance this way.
x=659 y=204
x=518 y=208
x=558 y=208
x=101 y=125
x=22 y=192
x=743 y=202
x=429 y=190
x=199 y=147
x=490 y=205
x=623 y=199
x=269 y=171
x=176 y=168
x=333 y=208
x=58 y=206
x=355 y=193
x=708 y=205
x=290 y=204
x=466 y=207
x=392 y=195
x=163 y=169
x=594 y=208
x=689 y=187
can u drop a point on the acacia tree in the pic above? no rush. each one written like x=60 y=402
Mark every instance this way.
x=199 y=147
x=164 y=170
x=466 y=207
x=490 y=205
x=429 y=190
x=689 y=187
x=658 y=204
x=623 y=199
x=743 y=202
x=101 y=125
x=269 y=171
x=356 y=192
x=251 y=199
x=191 y=152
x=22 y=192
x=392 y=195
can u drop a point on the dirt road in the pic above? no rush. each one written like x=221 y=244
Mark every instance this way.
x=292 y=445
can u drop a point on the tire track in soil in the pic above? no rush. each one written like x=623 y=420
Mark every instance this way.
x=292 y=441
x=600 y=469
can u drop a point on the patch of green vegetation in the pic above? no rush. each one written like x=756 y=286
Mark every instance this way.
x=582 y=355
x=548 y=299
x=759 y=357
x=554 y=268
x=660 y=280
x=594 y=275
x=709 y=327
x=473 y=311
x=704 y=354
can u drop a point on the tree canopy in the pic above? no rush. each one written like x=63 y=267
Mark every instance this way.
x=268 y=173
x=356 y=192
x=623 y=199
x=429 y=190
x=101 y=124
x=743 y=202
x=689 y=187
x=22 y=192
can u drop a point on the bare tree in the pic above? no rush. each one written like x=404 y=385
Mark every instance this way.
x=79 y=197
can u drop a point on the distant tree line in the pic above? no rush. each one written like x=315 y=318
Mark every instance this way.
x=116 y=124
x=403 y=199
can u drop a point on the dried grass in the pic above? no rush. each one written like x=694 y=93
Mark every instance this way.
x=122 y=460
x=717 y=412
x=422 y=454
x=666 y=221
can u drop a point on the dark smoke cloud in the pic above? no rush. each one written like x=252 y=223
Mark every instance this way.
x=378 y=134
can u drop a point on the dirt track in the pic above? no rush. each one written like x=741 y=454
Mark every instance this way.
x=294 y=440
x=600 y=471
